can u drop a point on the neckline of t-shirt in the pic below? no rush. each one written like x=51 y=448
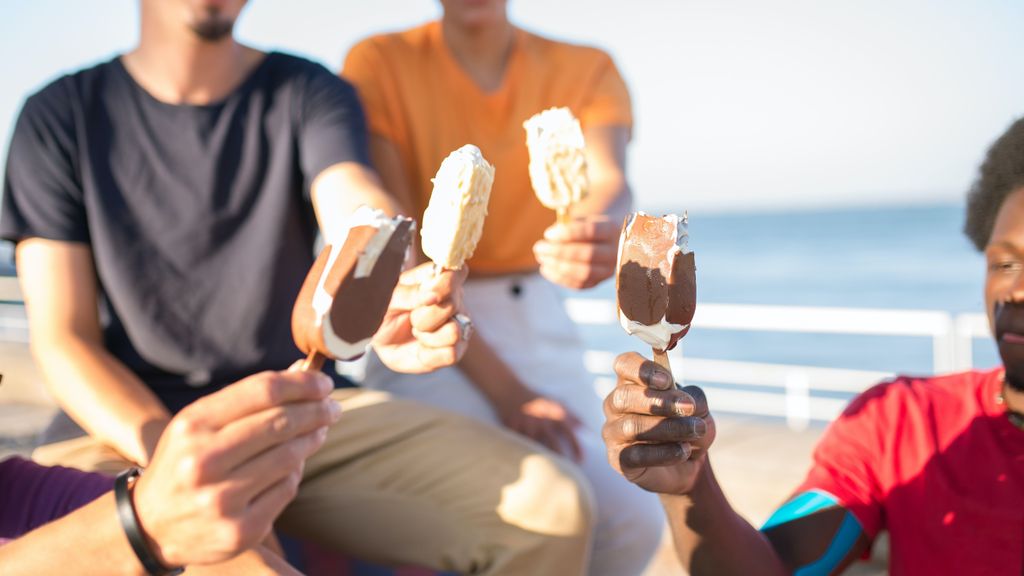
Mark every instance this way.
x=991 y=388
x=511 y=67
x=244 y=86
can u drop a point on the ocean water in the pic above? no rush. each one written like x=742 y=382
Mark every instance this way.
x=895 y=258
x=900 y=258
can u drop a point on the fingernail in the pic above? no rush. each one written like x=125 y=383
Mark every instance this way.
x=321 y=434
x=700 y=428
x=335 y=410
x=556 y=232
x=661 y=380
x=324 y=383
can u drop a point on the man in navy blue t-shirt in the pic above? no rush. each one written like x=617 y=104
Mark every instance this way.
x=165 y=206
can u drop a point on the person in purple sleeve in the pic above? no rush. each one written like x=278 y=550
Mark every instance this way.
x=221 y=473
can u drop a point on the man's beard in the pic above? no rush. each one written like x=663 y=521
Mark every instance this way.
x=213 y=27
x=1009 y=317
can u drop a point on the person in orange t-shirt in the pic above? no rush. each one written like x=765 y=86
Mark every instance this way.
x=473 y=77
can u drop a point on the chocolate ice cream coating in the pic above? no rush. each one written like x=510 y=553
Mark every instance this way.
x=359 y=298
x=656 y=280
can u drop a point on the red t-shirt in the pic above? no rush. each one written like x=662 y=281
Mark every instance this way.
x=935 y=462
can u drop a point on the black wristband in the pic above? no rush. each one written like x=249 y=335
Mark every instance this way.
x=130 y=524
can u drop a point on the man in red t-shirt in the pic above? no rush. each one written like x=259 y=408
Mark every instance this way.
x=938 y=462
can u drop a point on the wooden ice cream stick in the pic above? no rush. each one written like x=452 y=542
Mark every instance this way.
x=563 y=216
x=314 y=362
x=661 y=359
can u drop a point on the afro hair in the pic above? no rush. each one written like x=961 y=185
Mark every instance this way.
x=1002 y=172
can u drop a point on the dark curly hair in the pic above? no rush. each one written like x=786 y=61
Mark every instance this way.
x=1002 y=172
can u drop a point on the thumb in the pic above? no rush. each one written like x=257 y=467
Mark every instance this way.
x=558 y=232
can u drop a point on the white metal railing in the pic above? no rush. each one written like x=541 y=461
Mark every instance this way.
x=952 y=349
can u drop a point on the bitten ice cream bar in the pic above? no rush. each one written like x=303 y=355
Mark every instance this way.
x=454 y=218
x=558 y=162
x=347 y=291
x=655 y=282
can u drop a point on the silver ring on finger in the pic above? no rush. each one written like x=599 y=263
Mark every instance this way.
x=465 y=325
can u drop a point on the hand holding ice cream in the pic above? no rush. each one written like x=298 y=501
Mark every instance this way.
x=425 y=327
x=578 y=254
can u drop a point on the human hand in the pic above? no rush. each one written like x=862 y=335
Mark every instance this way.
x=419 y=333
x=579 y=254
x=657 y=436
x=542 y=419
x=229 y=463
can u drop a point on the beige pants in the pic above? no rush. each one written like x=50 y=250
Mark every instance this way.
x=402 y=483
x=524 y=320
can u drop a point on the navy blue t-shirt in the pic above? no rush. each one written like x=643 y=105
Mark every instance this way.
x=199 y=217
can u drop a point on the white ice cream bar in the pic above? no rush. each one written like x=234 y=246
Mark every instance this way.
x=558 y=163
x=454 y=218
x=322 y=300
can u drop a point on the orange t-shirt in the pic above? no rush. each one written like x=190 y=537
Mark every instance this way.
x=416 y=96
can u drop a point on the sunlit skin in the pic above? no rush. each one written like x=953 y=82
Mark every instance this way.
x=480 y=37
x=1004 y=282
x=475 y=14
x=186 y=53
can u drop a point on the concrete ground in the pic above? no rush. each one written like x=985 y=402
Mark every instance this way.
x=758 y=462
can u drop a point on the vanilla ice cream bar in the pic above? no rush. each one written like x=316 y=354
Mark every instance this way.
x=558 y=163
x=655 y=283
x=454 y=218
x=347 y=291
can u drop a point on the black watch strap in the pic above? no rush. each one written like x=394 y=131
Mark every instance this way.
x=130 y=524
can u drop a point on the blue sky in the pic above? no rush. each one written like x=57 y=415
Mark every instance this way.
x=740 y=104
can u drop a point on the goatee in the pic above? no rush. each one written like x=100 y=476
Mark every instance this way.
x=213 y=30
x=213 y=27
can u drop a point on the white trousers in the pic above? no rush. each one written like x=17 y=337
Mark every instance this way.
x=523 y=318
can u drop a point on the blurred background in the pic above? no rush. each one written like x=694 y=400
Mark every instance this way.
x=740 y=104
x=822 y=150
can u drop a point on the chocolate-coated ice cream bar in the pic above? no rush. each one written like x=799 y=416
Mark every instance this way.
x=655 y=282
x=347 y=291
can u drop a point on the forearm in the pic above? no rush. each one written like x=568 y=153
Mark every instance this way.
x=609 y=192
x=711 y=538
x=339 y=190
x=91 y=541
x=609 y=196
x=88 y=541
x=488 y=372
x=253 y=562
x=102 y=395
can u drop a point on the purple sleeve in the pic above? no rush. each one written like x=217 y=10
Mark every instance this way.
x=32 y=495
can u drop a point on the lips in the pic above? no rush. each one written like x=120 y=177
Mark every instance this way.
x=1012 y=338
x=1009 y=328
x=1009 y=322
